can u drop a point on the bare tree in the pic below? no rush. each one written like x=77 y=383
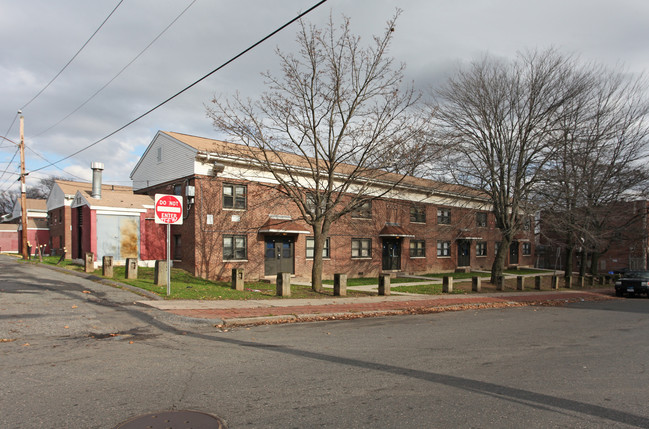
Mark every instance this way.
x=602 y=141
x=40 y=191
x=335 y=130
x=500 y=120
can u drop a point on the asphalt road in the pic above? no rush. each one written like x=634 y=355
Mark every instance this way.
x=93 y=360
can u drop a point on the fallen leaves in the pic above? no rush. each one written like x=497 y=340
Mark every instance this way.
x=7 y=340
x=86 y=291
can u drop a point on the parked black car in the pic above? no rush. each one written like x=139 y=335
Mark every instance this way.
x=633 y=282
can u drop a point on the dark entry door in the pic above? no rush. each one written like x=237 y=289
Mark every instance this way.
x=464 y=253
x=279 y=256
x=513 y=252
x=391 y=254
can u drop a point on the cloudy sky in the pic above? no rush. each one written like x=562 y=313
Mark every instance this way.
x=97 y=94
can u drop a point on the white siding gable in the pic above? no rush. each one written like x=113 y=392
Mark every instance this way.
x=164 y=160
x=56 y=198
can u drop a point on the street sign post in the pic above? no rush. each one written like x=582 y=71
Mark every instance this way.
x=169 y=211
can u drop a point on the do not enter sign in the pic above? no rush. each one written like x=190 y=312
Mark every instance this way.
x=168 y=209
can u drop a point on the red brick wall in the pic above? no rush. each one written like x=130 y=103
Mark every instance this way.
x=202 y=242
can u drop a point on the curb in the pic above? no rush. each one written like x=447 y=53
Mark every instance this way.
x=314 y=317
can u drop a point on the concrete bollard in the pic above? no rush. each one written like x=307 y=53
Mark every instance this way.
x=131 y=268
x=500 y=283
x=340 y=284
x=554 y=282
x=238 y=278
x=160 y=273
x=447 y=284
x=537 y=282
x=568 y=282
x=89 y=262
x=520 y=283
x=107 y=266
x=581 y=282
x=476 y=284
x=283 y=284
x=384 y=284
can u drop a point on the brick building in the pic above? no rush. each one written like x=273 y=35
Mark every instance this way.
x=235 y=217
x=622 y=243
x=60 y=213
x=37 y=230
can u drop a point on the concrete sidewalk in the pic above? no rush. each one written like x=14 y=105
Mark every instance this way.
x=251 y=312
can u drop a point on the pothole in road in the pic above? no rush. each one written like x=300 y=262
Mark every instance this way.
x=175 y=420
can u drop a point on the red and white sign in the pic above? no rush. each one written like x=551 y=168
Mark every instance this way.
x=169 y=209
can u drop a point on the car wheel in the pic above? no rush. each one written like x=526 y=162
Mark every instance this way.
x=618 y=292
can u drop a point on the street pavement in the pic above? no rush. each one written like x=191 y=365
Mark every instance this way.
x=286 y=310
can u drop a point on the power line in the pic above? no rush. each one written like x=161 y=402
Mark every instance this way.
x=118 y=73
x=12 y=160
x=73 y=57
x=240 y=54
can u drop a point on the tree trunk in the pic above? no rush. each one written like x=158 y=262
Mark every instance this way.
x=320 y=232
x=570 y=250
x=594 y=262
x=499 y=261
x=582 y=266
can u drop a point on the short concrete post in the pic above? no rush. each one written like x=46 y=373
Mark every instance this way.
x=107 y=266
x=591 y=281
x=384 y=284
x=283 y=284
x=340 y=284
x=568 y=282
x=89 y=262
x=537 y=282
x=160 y=273
x=500 y=283
x=581 y=282
x=476 y=284
x=131 y=268
x=600 y=280
x=520 y=283
x=238 y=278
x=447 y=284
x=554 y=282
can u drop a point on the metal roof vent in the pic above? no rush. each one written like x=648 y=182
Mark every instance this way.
x=97 y=168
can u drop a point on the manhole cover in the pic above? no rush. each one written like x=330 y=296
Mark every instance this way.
x=173 y=420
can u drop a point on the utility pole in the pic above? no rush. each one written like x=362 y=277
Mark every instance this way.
x=23 y=188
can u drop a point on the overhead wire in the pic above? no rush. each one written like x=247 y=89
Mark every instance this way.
x=196 y=82
x=73 y=57
x=155 y=39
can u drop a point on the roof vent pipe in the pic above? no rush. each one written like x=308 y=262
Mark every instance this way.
x=97 y=168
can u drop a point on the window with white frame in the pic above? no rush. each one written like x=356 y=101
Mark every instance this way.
x=527 y=248
x=443 y=216
x=234 y=196
x=234 y=247
x=361 y=248
x=310 y=248
x=443 y=248
x=481 y=248
x=417 y=248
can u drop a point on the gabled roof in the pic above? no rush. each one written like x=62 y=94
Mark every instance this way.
x=117 y=199
x=218 y=147
x=36 y=204
x=70 y=187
